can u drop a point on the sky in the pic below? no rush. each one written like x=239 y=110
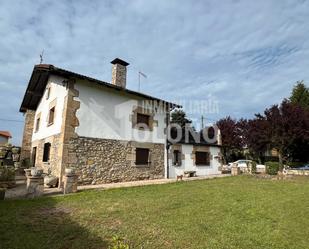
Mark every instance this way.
x=236 y=57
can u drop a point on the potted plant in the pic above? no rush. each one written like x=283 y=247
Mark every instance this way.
x=36 y=171
x=2 y=193
x=69 y=172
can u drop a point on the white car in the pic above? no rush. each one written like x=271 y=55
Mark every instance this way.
x=243 y=165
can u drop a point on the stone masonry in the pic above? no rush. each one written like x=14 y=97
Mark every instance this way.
x=105 y=160
x=27 y=135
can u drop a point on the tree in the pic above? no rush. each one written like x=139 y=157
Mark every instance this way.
x=300 y=94
x=231 y=139
x=285 y=126
x=179 y=117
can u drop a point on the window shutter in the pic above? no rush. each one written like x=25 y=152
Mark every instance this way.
x=179 y=158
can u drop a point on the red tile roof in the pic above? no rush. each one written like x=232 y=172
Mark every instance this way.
x=5 y=134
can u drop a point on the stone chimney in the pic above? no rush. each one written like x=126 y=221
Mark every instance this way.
x=119 y=72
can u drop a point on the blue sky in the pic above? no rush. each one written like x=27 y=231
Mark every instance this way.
x=241 y=55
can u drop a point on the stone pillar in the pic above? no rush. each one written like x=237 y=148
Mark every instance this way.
x=27 y=135
x=70 y=184
x=35 y=186
x=235 y=170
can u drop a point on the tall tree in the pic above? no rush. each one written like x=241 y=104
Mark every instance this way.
x=231 y=138
x=300 y=94
x=178 y=116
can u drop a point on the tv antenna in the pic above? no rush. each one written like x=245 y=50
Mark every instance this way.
x=41 y=56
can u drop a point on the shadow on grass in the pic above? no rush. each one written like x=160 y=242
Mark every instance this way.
x=43 y=223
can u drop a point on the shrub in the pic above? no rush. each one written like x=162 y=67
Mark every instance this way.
x=272 y=168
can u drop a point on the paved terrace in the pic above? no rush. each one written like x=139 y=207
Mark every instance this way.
x=20 y=190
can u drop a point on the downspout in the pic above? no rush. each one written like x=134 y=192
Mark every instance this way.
x=167 y=143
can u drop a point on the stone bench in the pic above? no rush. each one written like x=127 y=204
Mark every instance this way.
x=190 y=173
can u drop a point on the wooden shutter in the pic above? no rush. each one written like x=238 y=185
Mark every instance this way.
x=142 y=156
x=202 y=158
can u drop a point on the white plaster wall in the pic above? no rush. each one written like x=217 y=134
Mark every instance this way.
x=187 y=163
x=105 y=113
x=59 y=91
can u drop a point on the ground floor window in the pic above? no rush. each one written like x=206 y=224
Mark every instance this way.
x=142 y=156
x=202 y=158
x=177 y=157
x=46 y=152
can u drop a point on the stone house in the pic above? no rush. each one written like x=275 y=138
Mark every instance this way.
x=105 y=131
x=5 y=137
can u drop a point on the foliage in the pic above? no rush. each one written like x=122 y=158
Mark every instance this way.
x=300 y=95
x=117 y=243
x=178 y=116
x=253 y=167
x=272 y=168
x=7 y=173
x=231 y=138
x=232 y=212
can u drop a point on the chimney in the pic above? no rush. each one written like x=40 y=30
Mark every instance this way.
x=119 y=72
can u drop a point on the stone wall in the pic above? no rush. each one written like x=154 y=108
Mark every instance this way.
x=105 y=160
x=55 y=150
x=27 y=135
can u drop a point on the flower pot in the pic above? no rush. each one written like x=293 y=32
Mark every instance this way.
x=2 y=193
x=69 y=172
x=36 y=172
x=27 y=172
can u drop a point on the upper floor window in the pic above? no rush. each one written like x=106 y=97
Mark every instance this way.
x=48 y=92
x=51 y=116
x=142 y=119
x=37 y=124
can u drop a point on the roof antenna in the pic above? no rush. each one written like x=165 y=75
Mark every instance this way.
x=41 y=56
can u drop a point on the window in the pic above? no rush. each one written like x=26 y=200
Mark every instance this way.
x=51 y=116
x=37 y=125
x=47 y=93
x=46 y=152
x=142 y=119
x=202 y=158
x=177 y=157
x=142 y=156
x=33 y=156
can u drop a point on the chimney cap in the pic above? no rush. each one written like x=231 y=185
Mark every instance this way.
x=119 y=61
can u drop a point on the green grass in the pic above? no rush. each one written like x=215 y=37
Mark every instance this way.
x=233 y=212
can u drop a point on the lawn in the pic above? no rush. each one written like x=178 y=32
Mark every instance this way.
x=233 y=212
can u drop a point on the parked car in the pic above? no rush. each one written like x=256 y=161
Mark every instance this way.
x=243 y=165
x=305 y=167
